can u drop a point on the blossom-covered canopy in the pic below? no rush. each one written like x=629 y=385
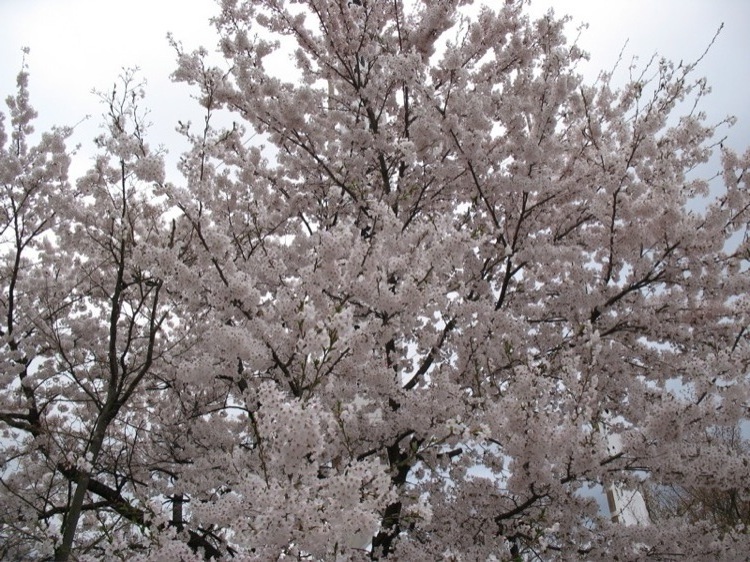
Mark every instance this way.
x=424 y=298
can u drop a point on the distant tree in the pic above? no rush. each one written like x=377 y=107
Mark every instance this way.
x=705 y=501
x=394 y=325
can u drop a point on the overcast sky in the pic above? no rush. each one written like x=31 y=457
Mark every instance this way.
x=77 y=45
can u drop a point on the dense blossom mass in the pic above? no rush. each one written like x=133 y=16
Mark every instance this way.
x=430 y=296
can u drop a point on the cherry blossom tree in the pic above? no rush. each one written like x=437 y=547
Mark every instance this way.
x=86 y=328
x=397 y=309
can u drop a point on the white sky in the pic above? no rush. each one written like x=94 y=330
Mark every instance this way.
x=77 y=45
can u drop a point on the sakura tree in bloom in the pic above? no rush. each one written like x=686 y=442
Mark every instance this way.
x=407 y=327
